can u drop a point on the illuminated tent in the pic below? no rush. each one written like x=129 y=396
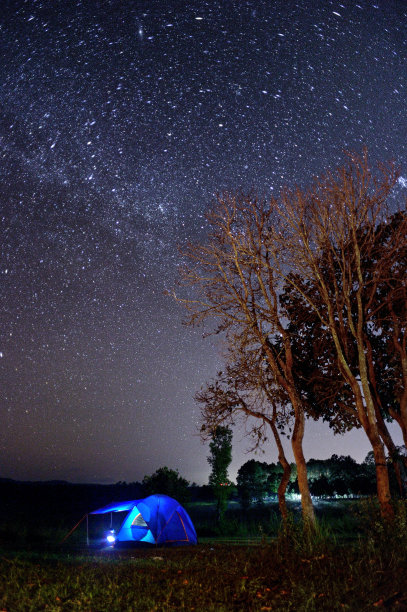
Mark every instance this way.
x=157 y=519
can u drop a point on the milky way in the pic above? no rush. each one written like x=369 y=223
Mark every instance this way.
x=119 y=123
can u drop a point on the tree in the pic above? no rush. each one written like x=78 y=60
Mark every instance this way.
x=252 y=482
x=327 y=392
x=236 y=279
x=387 y=346
x=331 y=245
x=321 y=487
x=168 y=482
x=219 y=459
x=328 y=245
x=245 y=391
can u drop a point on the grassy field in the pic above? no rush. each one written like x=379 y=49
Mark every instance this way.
x=206 y=577
x=352 y=562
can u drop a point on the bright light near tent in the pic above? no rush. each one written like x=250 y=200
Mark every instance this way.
x=111 y=538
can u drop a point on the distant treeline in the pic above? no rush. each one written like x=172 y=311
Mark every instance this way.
x=338 y=476
x=256 y=481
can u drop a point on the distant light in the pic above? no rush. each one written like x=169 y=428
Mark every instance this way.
x=294 y=496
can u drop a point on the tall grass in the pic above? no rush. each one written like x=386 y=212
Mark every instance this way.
x=298 y=539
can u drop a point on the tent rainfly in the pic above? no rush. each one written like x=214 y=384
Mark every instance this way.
x=157 y=519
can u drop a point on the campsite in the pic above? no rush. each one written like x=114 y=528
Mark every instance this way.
x=254 y=565
x=203 y=263
x=154 y=520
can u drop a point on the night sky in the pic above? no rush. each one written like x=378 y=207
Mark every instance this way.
x=120 y=120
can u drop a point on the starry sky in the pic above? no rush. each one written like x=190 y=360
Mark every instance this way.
x=119 y=122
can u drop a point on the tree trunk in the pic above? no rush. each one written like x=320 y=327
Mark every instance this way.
x=398 y=463
x=296 y=443
x=368 y=421
x=372 y=430
x=382 y=475
x=282 y=487
x=367 y=418
x=285 y=479
x=286 y=381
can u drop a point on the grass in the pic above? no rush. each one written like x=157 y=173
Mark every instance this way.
x=353 y=561
x=207 y=577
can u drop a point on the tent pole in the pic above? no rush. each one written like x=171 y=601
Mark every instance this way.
x=73 y=529
x=87 y=530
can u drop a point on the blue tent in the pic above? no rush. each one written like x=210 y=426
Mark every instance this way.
x=157 y=519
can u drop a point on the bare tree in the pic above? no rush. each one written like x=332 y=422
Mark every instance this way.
x=236 y=281
x=333 y=245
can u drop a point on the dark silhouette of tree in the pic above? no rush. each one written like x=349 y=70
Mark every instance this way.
x=253 y=482
x=219 y=459
x=321 y=487
x=336 y=476
x=167 y=482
